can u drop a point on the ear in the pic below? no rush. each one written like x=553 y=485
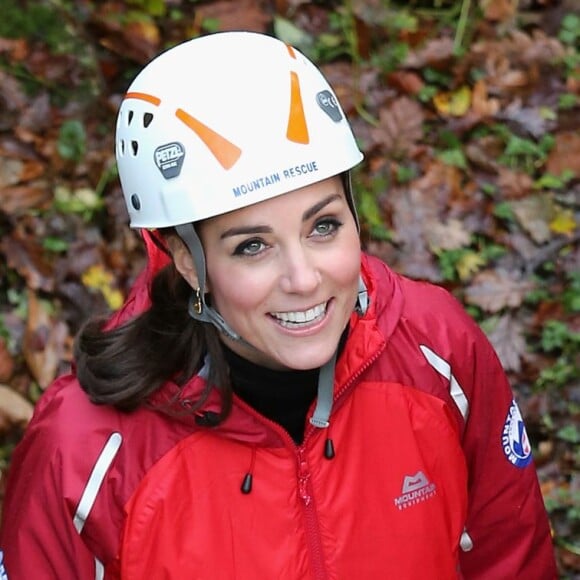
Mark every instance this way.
x=183 y=260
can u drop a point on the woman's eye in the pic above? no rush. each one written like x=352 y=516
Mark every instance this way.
x=326 y=227
x=249 y=248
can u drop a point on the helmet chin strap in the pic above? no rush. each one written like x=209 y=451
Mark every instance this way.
x=200 y=310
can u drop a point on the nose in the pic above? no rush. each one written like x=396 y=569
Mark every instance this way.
x=300 y=272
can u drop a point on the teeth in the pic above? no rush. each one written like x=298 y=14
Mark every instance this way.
x=293 y=318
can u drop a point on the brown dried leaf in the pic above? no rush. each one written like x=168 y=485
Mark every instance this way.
x=527 y=119
x=37 y=115
x=481 y=104
x=137 y=40
x=523 y=245
x=6 y=362
x=15 y=410
x=238 y=15
x=539 y=48
x=12 y=99
x=446 y=236
x=405 y=81
x=44 y=344
x=412 y=208
x=498 y=10
x=493 y=290
x=400 y=126
x=514 y=184
x=409 y=214
x=10 y=172
x=17 y=199
x=13 y=148
x=434 y=53
x=25 y=255
x=509 y=342
x=510 y=79
x=13 y=171
x=513 y=62
x=12 y=96
x=565 y=156
x=534 y=213
x=441 y=183
x=484 y=151
x=17 y=49
x=52 y=68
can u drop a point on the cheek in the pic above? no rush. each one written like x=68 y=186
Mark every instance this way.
x=347 y=267
x=236 y=290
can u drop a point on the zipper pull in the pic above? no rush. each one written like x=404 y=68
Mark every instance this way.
x=466 y=543
x=303 y=477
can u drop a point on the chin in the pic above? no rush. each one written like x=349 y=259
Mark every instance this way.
x=307 y=357
x=306 y=362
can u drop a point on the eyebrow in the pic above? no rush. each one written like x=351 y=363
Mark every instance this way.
x=244 y=230
x=308 y=214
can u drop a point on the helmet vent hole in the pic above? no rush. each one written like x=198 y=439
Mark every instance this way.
x=135 y=148
x=130 y=118
x=136 y=202
x=121 y=147
x=147 y=118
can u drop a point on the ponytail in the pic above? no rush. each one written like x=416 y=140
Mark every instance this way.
x=124 y=365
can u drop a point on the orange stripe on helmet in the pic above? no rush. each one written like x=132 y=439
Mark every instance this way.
x=144 y=97
x=297 y=130
x=223 y=150
x=291 y=51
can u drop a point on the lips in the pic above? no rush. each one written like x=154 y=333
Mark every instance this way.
x=297 y=318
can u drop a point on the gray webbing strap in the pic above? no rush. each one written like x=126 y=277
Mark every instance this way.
x=362 y=301
x=206 y=314
x=321 y=415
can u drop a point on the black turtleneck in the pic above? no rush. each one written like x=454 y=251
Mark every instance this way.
x=281 y=396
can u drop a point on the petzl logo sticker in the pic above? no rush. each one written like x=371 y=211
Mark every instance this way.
x=169 y=159
x=514 y=439
x=328 y=103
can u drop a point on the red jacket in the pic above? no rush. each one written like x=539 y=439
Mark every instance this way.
x=431 y=452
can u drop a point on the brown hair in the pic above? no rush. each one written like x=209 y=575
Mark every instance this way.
x=124 y=365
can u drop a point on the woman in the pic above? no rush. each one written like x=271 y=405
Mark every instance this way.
x=270 y=402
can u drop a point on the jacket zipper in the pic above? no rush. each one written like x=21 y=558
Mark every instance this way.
x=313 y=539
x=305 y=489
x=313 y=536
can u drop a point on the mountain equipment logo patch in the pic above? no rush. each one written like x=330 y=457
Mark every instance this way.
x=169 y=159
x=514 y=439
x=416 y=489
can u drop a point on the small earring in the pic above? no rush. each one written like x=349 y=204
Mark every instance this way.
x=197 y=304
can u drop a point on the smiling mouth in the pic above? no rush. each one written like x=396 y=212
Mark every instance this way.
x=300 y=318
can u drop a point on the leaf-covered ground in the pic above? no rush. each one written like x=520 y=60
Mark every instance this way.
x=468 y=113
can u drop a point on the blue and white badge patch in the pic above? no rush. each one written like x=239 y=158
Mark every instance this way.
x=514 y=439
x=3 y=574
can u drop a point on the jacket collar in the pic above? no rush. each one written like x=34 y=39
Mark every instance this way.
x=367 y=339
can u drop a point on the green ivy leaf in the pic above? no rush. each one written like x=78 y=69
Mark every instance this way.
x=72 y=138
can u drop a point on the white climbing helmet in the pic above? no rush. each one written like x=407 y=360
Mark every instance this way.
x=224 y=121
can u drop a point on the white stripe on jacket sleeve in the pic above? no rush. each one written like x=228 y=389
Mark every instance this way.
x=91 y=490
x=444 y=369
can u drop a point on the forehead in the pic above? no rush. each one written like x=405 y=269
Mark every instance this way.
x=296 y=201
